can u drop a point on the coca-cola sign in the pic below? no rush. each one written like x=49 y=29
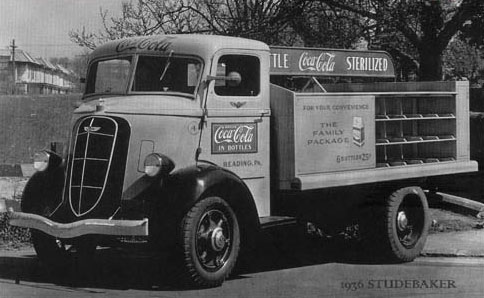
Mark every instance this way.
x=322 y=62
x=155 y=44
x=330 y=62
x=228 y=138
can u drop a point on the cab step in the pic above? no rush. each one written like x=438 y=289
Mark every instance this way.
x=267 y=222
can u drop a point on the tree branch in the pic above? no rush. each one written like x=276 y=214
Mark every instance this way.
x=463 y=13
x=350 y=8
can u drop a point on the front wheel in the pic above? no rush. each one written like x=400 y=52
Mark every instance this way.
x=210 y=241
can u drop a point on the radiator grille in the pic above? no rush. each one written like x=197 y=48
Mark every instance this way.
x=91 y=165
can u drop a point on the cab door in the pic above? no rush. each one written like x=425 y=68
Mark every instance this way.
x=235 y=135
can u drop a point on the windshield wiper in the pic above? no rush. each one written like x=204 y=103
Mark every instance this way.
x=168 y=61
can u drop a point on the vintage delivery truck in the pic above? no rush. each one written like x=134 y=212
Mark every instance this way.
x=195 y=143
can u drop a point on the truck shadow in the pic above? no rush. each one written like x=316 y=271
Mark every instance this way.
x=122 y=269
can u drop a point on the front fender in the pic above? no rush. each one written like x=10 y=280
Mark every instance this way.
x=183 y=188
x=43 y=192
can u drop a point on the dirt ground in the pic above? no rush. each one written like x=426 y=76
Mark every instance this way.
x=448 y=221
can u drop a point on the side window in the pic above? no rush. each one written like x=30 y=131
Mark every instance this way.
x=247 y=68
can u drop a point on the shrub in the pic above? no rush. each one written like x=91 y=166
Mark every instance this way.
x=12 y=236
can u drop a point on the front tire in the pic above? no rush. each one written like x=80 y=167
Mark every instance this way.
x=210 y=242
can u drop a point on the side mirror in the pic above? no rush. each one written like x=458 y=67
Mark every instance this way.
x=234 y=78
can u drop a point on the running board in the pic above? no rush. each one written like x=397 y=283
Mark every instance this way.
x=267 y=222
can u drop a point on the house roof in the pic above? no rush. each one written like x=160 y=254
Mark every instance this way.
x=45 y=63
x=20 y=56
x=5 y=53
x=40 y=61
x=23 y=56
x=62 y=68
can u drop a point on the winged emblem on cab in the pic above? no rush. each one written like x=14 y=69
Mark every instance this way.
x=237 y=104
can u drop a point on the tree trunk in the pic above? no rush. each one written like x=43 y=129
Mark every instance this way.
x=430 y=66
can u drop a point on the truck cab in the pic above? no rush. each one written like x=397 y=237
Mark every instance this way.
x=169 y=127
x=178 y=99
x=195 y=142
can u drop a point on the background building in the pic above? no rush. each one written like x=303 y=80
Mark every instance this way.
x=28 y=75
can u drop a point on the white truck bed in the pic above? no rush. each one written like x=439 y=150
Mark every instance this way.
x=373 y=133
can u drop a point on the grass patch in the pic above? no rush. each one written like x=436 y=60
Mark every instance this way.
x=449 y=221
x=30 y=122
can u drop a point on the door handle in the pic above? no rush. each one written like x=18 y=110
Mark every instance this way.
x=261 y=118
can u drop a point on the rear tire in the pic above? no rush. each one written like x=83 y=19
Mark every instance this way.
x=397 y=230
x=407 y=223
x=210 y=238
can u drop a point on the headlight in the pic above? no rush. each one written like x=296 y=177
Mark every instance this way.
x=156 y=163
x=153 y=164
x=41 y=161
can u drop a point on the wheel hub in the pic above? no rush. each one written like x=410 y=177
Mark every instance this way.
x=218 y=239
x=402 y=221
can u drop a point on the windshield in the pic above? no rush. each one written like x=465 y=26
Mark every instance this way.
x=166 y=74
x=152 y=74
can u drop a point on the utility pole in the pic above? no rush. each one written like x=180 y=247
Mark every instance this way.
x=14 y=67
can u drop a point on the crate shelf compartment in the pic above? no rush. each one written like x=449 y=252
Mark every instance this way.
x=415 y=130
x=416 y=161
x=409 y=143
x=413 y=140
x=397 y=116
x=412 y=162
x=417 y=104
x=412 y=117
x=382 y=141
x=382 y=117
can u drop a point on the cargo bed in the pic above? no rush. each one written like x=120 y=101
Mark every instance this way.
x=365 y=133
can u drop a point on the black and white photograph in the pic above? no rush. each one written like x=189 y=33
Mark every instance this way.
x=241 y=148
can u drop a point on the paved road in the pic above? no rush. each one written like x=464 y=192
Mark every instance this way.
x=276 y=270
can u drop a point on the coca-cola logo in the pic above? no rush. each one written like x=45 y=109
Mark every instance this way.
x=148 y=43
x=324 y=62
x=234 y=138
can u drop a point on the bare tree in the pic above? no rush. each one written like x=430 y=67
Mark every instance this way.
x=143 y=17
x=321 y=25
x=265 y=20
x=416 y=31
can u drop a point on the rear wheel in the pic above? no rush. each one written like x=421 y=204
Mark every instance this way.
x=210 y=241
x=397 y=230
x=407 y=223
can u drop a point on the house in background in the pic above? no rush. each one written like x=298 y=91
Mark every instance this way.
x=33 y=75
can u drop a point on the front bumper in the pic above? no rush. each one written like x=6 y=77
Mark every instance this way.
x=79 y=228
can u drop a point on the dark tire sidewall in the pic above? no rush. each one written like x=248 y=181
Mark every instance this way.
x=194 y=269
x=398 y=251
